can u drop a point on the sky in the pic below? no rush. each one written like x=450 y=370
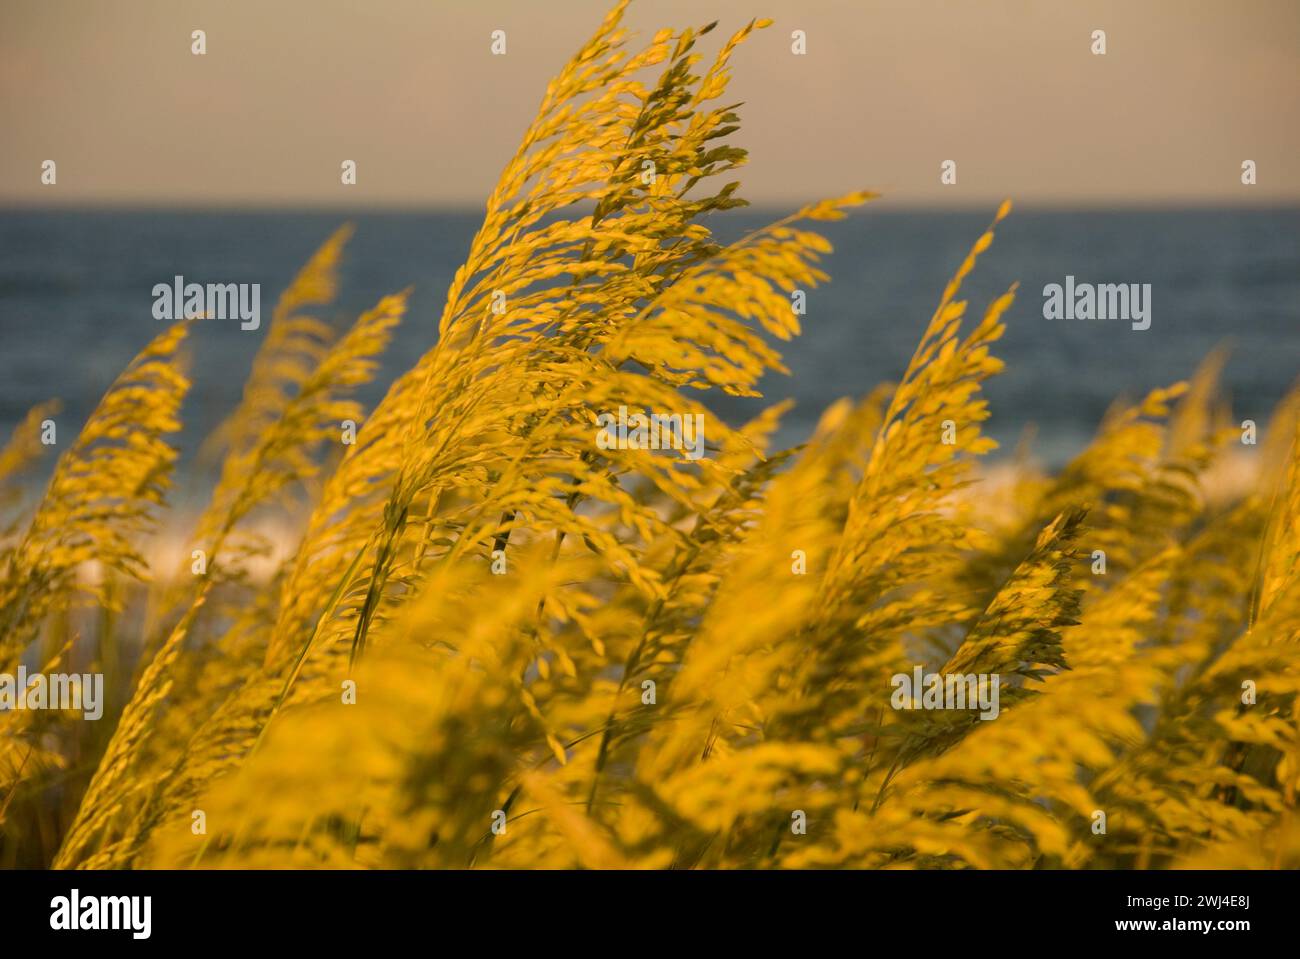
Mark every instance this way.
x=887 y=90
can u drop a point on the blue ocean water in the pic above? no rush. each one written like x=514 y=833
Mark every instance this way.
x=75 y=304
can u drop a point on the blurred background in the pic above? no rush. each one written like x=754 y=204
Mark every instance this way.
x=1124 y=167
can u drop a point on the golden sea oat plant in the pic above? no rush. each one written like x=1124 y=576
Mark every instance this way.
x=494 y=642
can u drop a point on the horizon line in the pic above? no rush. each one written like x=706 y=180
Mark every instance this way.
x=885 y=203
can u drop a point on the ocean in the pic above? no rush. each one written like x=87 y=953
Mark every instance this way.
x=76 y=304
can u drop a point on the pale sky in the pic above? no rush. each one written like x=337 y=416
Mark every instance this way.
x=887 y=91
